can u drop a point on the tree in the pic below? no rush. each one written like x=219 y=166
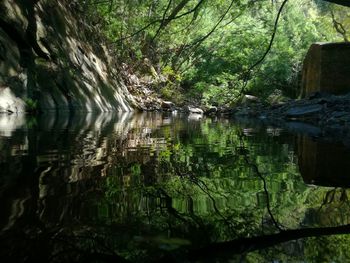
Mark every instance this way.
x=212 y=47
x=339 y=2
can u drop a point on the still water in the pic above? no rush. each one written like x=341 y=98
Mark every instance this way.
x=155 y=188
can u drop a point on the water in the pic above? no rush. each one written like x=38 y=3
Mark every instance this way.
x=152 y=187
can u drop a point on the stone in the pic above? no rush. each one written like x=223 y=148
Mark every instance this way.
x=303 y=111
x=211 y=110
x=75 y=74
x=249 y=99
x=326 y=69
x=9 y=57
x=9 y=102
x=338 y=114
x=194 y=110
x=167 y=105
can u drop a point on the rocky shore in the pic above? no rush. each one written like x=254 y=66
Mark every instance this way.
x=320 y=115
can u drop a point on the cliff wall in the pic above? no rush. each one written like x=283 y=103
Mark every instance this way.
x=326 y=69
x=51 y=59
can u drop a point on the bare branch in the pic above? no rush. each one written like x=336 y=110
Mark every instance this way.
x=339 y=27
x=169 y=19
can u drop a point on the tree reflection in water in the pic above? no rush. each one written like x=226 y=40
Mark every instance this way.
x=151 y=187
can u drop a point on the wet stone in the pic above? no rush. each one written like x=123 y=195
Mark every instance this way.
x=194 y=110
x=166 y=105
x=338 y=114
x=303 y=111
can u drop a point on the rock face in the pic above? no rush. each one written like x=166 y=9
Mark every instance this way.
x=52 y=59
x=326 y=69
x=9 y=102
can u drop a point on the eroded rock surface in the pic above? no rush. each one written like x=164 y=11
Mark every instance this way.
x=319 y=115
x=326 y=69
x=49 y=56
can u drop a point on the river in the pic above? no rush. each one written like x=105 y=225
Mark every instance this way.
x=153 y=187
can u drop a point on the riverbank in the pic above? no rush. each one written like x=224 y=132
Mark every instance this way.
x=320 y=115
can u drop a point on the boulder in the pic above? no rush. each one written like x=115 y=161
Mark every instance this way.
x=167 y=105
x=326 y=69
x=303 y=111
x=211 y=110
x=249 y=99
x=9 y=102
x=194 y=110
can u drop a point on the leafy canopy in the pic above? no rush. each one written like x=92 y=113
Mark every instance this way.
x=208 y=45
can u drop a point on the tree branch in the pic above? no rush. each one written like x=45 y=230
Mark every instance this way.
x=170 y=18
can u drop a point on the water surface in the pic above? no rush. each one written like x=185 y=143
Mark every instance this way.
x=153 y=187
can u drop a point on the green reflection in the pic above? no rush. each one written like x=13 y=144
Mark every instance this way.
x=139 y=187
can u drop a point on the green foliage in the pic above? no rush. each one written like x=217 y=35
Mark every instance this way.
x=171 y=90
x=276 y=97
x=170 y=74
x=31 y=105
x=341 y=21
x=335 y=249
x=207 y=46
x=173 y=93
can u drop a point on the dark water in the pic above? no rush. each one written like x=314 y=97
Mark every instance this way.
x=147 y=188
